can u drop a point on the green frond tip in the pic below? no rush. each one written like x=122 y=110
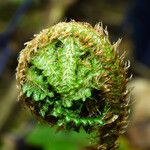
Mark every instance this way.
x=70 y=75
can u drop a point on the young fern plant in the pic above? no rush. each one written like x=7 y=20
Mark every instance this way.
x=71 y=76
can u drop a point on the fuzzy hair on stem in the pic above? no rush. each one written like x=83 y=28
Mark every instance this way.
x=71 y=76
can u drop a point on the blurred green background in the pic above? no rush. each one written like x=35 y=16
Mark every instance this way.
x=21 y=19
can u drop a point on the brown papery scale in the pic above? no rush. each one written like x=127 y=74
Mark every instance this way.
x=71 y=76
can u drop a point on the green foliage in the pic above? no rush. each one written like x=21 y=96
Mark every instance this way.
x=124 y=144
x=48 y=139
x=68 y=68
x=71 y=76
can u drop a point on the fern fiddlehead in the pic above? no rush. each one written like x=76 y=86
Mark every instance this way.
x=71 y=76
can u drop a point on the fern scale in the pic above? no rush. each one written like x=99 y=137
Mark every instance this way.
x=71 y=76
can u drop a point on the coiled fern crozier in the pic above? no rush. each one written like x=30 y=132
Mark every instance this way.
x=71 y=76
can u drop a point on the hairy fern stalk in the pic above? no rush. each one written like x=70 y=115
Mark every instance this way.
x=71 y=76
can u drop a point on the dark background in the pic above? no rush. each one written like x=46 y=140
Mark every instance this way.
x=21 y=19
